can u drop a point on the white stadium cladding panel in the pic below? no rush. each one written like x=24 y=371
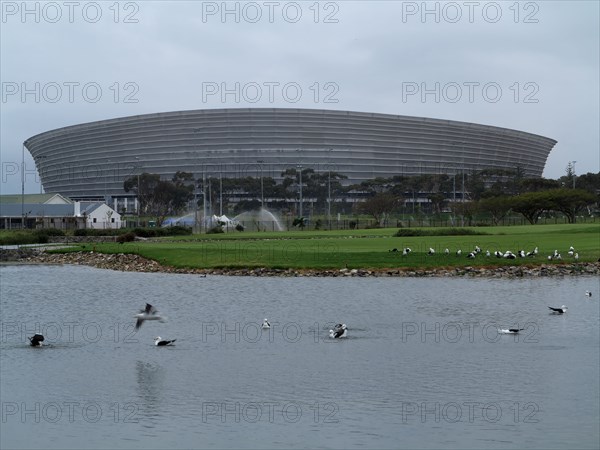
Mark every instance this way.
x=93 y=159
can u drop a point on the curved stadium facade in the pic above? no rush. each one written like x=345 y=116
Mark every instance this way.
x=92 y=160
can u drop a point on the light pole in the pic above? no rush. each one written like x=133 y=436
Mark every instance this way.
x=40 y=158
x=105 y=197
x=220 y=193
x=262 y=195
x=139 y=203
x=329 y=188
x=23 y=186
x=300 y=209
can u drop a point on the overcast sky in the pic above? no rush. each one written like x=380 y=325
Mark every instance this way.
x=530 y=66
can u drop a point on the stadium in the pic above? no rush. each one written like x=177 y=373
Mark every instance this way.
x=90 y=161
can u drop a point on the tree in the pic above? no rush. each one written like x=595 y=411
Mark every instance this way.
x=497 y=207
x=531 y=205
x=161 y=197
x=143 y=185
x=570 y=201
x=378 y=206
x=589 y=182
x=437 y=202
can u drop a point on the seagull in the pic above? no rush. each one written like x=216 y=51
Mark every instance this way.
x=571 y=252
x=393 y=250
x=521 y=253
x=406 y=251
x=431 y=251
x=561 y=310
x=588 y=293
x=458 y=252
x=447 y=251
x=160 y=342
x=36 y=340
x=487 y=254
x=498 y=254
x=471 y=255
x=534 y=252
x=509 y=255
x=511 y=330
x=150 y=313
x=576 y=256
x=266 y=325
x=339 y=332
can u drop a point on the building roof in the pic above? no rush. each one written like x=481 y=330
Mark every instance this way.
x=36 y=210
x=48 y=210
x=34 y=198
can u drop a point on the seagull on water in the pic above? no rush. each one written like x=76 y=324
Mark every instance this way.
x=588 y=293
x=162 y=342
x=340 y=331
x=561 y=310
x=36 y=340
x=511 y=330
x=266 y=325
x=149 y=313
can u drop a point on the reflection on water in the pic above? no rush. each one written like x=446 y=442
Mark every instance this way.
x=150 y=379
x=423 y=366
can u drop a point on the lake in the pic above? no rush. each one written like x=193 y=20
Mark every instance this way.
x=423 y=366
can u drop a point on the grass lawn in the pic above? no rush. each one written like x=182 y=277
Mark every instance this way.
x=362 y=248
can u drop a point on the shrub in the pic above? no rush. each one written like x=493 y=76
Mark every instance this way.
x=126 y=237
x=215 y=230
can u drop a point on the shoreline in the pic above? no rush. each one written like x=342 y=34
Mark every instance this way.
x=135 y=263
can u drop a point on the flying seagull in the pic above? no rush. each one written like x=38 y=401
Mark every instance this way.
x=150 y=313
x=161 y=342
x=36 y=340
x=561 y=310
x=266 y=324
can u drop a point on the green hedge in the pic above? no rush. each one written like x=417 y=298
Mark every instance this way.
x=406 y=232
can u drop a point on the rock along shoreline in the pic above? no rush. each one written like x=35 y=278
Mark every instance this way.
x=134 y=263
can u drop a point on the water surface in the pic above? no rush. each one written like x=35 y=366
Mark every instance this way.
x=423 y=366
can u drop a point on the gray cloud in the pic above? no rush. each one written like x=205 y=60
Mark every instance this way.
x=368 y=54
